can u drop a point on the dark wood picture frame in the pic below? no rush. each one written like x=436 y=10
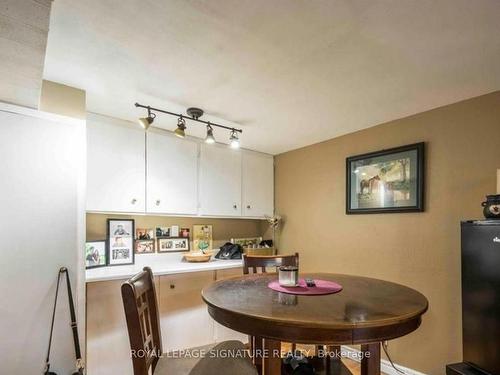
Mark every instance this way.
x=158 y=248
x=105 y=254
x=420 y=176
x=108 y=242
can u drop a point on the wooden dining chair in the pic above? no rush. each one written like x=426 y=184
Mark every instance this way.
x=143 y=323
x=254 y=263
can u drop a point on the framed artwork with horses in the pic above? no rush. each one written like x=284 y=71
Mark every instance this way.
x=390 y=180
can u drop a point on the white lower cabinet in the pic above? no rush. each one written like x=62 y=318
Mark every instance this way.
x=184 y=319
x=172 y=174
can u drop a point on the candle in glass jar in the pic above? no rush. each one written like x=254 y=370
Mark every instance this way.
x=288 y=275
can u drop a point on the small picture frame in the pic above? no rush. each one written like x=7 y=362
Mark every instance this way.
x=202 y=237
x=247 y=242
x=120 y=242
x=144 y=234
x=172 y=244
x=184 y=232
x=144 y=246
x=95 y=254
x=162 y=232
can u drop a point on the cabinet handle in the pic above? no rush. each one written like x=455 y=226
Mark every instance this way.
x=235 y=206
x=172 y=286
x=134 y=201
x=157 y=202
x=248 y=206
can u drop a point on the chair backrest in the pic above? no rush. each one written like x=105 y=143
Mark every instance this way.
x=141 y=311
x=253 y=262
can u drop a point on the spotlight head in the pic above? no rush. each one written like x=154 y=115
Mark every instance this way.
x=181 y=126
x=233 y=139
x=210 y=135
x=146 y=122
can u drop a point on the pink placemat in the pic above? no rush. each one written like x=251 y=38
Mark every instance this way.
x=322 y=287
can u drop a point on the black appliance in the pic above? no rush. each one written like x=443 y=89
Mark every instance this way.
x=480 y=298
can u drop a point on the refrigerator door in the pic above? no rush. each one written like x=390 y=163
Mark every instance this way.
x=481 y=294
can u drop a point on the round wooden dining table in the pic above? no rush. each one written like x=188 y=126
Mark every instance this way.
x=366 y=311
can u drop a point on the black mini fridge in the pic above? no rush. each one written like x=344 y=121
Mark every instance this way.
x=480 y=297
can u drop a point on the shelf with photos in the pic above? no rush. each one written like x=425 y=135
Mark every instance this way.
x=123 y=242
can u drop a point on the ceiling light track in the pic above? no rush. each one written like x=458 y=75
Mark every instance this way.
x=193 y=115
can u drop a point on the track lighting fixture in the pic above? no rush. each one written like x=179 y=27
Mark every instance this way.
x=233 y=139
x=145 y=122
x=210 y=135
x=194 y=115
x=181 y=126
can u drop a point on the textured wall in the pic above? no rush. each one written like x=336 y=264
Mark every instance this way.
x=421 y=250
x=24 y=27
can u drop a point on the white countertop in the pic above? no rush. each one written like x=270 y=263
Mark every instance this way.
x=161 y=264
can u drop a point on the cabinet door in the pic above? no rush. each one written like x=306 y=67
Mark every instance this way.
x=172 y=166
x=258 y=184
x=115 y=165
x=184 y=318
x=220 y=181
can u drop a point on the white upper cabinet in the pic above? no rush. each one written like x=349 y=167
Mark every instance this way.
x=115 y=165
x=172 y=174
x=258 y=184
x=220 y=181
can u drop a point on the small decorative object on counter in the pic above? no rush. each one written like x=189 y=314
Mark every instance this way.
x=491 y=207
x=288 y=276
x=274 y=223
x=197 y=257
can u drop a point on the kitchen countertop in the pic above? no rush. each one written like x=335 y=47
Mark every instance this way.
x=161 y=264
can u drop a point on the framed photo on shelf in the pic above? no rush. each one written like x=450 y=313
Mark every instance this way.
x=386 y=181
x=144 y=234
x=162 y=231
x=120 y=242
x=95 y=254
x=184 y=232
x=144 y=246
x=172 y=244
x=202 y=237
x=247 y=242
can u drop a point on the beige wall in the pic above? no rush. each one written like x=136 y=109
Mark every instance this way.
x=223 y=229
x=63 y=100
x=421 y=250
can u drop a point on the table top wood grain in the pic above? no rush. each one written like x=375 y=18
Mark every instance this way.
x=366 y=310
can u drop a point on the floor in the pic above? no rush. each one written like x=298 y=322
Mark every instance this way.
x=184 y=365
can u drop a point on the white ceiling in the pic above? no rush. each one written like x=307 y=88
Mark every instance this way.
x=289 y=72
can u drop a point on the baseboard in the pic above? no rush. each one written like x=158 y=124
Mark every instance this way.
x=385 y=365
